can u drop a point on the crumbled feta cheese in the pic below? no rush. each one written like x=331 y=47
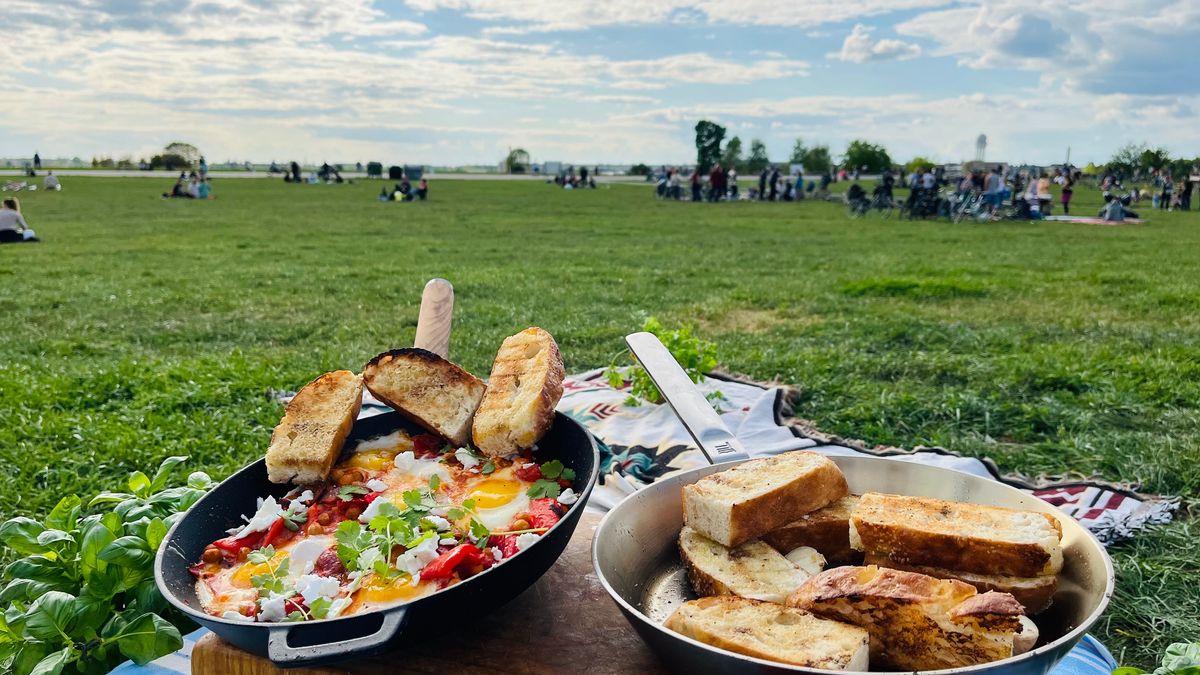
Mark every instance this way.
x=465 y=458
x=447 y=541
x=525 y=540
x=416 y=558
x=305 y=497
x=439 y=523
x=376 y=485
x=497 y=554
x=368 y=558
x=338 y=606
x=406 y=461
x=268 y=512
x=568 y=497
x=235 y=616
x=372 y=510
x=311 y=587
x=271 y=609
x=440 y=511
x=526 y=465
x=303 y=556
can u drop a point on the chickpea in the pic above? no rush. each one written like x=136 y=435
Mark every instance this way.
x=353 y=512
x=212 y=554
x=520 y=524
x=243 y=553
x=315 y=528
x=324 y=518
x=352 y=475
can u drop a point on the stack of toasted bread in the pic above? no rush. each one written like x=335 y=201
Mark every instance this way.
x=509 y=414
x=945 y=584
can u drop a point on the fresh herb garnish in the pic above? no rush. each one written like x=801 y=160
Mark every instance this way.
x=555 y=469
x=488 y=467
x=542 y=488
x=349 y=492
x=295 y=516
x=434 y=482
x=274 y=580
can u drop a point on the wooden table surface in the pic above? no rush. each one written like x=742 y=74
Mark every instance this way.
x=565 y=623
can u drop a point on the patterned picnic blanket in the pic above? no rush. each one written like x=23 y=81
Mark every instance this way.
x=640 y=443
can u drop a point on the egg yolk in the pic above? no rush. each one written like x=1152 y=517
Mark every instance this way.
x=380 y=590
x=495 y=492
x=371 y=460
x=242 y=577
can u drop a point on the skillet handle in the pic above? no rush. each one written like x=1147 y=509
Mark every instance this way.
x=715 y=439
x=280 y=652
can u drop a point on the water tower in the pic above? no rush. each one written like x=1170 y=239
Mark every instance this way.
x=980 y=147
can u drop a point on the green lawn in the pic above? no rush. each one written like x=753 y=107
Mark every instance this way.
x=142 y=328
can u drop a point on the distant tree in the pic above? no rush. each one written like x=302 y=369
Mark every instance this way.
x=187 y=151
x=867 y=156
x=639 y=170
x=1153 y=158
x=1181 y=168
x=798 y=152
x=918 y=163
x=517 y=161
x=1091 y=169
x=758 y=159
x=708 y=144
x=732 y=156
x=1126 y=159
x=816 y=159
x=169 y=161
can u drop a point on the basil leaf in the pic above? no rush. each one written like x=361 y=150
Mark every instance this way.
x=128 y=551
x=49 y=617
x=164 y=471
x=156 y=531
x=20 y=534
x=48 y=537
x=65 y=514
x=30 y=655
x=38 y=568
x=53 y=664
x=198 y=480
x=146 y=638
x=91 y=612
x=139 y=483
x=95 y=538
x=28 y=589
x=109 y=498
x=148 y=597
x=113 y=523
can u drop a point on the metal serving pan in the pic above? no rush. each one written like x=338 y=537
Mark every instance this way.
x=636 y=559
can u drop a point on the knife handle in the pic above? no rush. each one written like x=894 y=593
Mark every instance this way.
x=715 y=439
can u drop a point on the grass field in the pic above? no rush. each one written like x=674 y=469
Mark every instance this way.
x=142 y=328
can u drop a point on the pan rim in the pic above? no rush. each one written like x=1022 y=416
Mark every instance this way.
x=691 y=475
x=197 y=616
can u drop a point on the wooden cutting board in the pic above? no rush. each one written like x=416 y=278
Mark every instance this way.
x=564 y=623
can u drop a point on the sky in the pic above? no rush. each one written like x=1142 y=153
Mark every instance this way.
x=450 y=82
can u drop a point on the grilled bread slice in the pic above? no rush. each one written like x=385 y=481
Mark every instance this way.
x=768 y=631
x=826 y=529
x=524 y=387
x=1034 y=593
x=755 y=497
x=916 y=622
x=919 y=531
x=752 y=570
x=315 y=424
x=428 y=389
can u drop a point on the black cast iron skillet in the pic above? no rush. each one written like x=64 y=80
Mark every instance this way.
x=317 y=642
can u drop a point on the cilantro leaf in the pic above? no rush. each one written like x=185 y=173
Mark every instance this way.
x=479 y=531
x=455 y=513
x=567 y=474
x=348 y=492
x=434 y=482
x=488 y=467
x=543 y=488
x=552 y=469
x=319 y=608
x=262 y=555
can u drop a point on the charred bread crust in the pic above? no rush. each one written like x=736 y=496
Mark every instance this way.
x=917 y=531
x=449 y=380
x=1035 y=594
x=827 y=530
x=314 y=427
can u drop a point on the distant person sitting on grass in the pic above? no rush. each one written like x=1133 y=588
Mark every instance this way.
x=13 y=228
x=204 y=189
x=1115 y=210
x=179 y=190
x=50 y=182
x=422 y=189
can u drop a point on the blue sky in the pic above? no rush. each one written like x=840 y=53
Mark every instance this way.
x=461 y=81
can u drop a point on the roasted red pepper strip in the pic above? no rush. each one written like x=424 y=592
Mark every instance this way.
x=529 y=474
x=234 y=544
x=446 y=563
x=426 y=444
x=272 y=533
x=544 y=512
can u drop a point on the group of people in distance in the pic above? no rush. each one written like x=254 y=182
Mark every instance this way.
x=191 y=185
x=721 y=184
x=405 y=192
x=569 y=181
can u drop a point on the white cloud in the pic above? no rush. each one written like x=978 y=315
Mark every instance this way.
x=860 y=47
x=526 y=16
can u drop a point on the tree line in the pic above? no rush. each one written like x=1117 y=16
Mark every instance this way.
x=711 y=148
